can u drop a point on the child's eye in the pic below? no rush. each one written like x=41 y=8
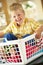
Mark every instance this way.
x=14 y=16
x=18 y=14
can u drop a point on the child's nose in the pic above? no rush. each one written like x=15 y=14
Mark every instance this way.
x=17 y=17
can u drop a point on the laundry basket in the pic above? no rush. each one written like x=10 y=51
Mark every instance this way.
x=21 y=51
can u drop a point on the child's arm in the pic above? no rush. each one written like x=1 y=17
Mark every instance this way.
x=6 y=30
x=39 y=31
x=36 y=27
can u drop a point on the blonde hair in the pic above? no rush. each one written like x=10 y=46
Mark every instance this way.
x=16 y=6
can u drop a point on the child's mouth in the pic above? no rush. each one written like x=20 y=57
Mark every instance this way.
x=18 y=25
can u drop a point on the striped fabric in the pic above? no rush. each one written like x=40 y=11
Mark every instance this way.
x=28 y=26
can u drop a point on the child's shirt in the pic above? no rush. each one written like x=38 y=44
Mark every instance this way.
x=28 y=26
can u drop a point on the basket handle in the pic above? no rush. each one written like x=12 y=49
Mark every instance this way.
x=3 y=40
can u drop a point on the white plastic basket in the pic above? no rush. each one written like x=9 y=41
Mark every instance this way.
x=21 y=51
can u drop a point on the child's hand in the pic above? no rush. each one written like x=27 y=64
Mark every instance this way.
x=39 y=31
x=38 y=35
x=18 y=36
x=1 y=34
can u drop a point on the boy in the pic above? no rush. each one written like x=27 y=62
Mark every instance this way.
x=20 y=26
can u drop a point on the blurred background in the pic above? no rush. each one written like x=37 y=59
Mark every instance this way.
x=32 y=8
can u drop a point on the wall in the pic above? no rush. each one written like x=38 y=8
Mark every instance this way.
x=37 y=2
x=39 y=7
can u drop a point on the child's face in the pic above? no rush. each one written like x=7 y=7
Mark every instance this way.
x=18 y=16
